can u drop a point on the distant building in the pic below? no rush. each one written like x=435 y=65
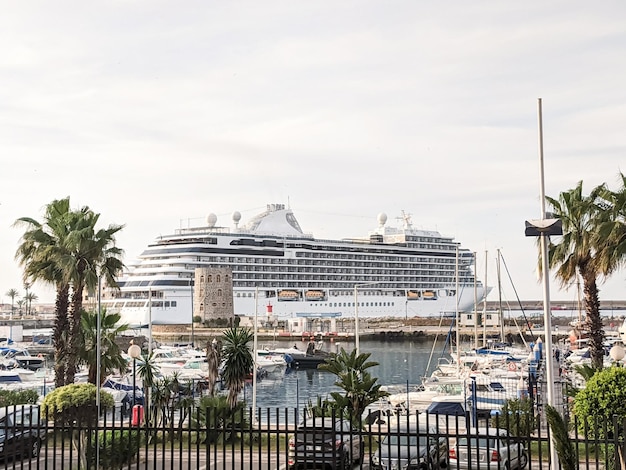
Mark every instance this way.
x=491 y=319
x=213 y=294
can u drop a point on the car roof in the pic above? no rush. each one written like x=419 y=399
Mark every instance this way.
x=324 y=422
x=481 y=431
x=10 y=409
x=420 y=428
x=422 y=424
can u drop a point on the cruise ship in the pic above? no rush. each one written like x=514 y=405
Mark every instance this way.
x=278 y=268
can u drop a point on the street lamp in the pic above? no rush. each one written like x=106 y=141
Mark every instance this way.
x=356 y=312
x=543 y=229
x=134 y=351
x=617 y=353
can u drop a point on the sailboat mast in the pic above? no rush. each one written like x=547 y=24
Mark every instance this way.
x=475 y=316
x=500 y=312
x=485 y=303
x=458 y=334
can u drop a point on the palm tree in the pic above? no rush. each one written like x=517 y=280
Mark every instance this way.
x=29 y=298
x=42 y=253
x=20 y=304
x=148 y=371
x=111 y=358
x=27 y=291
x=92 y=253
x=67 y=251
x=12 y=293
x=564 y=447
x=238 y=361
x=612 y=205
x=579 y=252
x=361 y=389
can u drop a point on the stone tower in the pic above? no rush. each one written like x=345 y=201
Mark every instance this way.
x=213 y=294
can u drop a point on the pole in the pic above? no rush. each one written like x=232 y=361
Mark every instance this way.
x=255 y=354
x=192 y=322
x=356 y=319
x=458 y=327
x=475 y=305
x=297 y=398
x=98 y=345
x=149 y=321
x=134 y=381
x=98 y=362
x=547 y=319
x=485 y=303
x=500 y=311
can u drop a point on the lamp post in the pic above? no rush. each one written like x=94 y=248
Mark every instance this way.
x=356 y=312
x=544 y=228
x=134 y=351
x=192 y=322
x=617 y=353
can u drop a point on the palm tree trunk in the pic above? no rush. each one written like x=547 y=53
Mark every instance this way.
x=59 y=335
x=73 y=340
x=594 y=320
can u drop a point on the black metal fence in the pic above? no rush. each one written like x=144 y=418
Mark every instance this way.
x=217 y=439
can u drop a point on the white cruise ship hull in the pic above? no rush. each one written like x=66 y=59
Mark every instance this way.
x=339 y=306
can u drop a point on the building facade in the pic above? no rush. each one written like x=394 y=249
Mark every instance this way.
x=213 y=294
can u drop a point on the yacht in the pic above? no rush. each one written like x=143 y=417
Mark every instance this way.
x=278 y=269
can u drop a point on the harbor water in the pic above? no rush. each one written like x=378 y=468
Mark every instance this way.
x=402 y=364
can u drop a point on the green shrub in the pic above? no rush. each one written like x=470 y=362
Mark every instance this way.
x=601 y=401
x=18 y=397
x=117 y=448
x=217 y=421
x=74 y=402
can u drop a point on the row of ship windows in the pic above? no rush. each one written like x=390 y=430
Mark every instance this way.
x=345 y=277
x=288 y=275
x=337 y=304
x=333 y=293
x=330 y=281
x=269 y=247
x=154 y=304
x=429 y=244
x=408 y=264
x=335 y=283
x=351 y=269
x=351 y=304
x=316 y=258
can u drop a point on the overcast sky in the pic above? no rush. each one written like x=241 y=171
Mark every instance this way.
x=156 y=114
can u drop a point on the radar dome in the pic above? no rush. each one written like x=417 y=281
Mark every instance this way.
x=211 y=219
x=236 y=217
x=382 y=218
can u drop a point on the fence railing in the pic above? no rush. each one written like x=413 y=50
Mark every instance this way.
x=211 y=438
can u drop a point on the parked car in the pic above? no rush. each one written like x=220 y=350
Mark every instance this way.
x=21 y=431
x=491 y=448
x=410 y=446
x=324 y=441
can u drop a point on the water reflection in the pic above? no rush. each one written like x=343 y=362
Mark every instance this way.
x=401 y=363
